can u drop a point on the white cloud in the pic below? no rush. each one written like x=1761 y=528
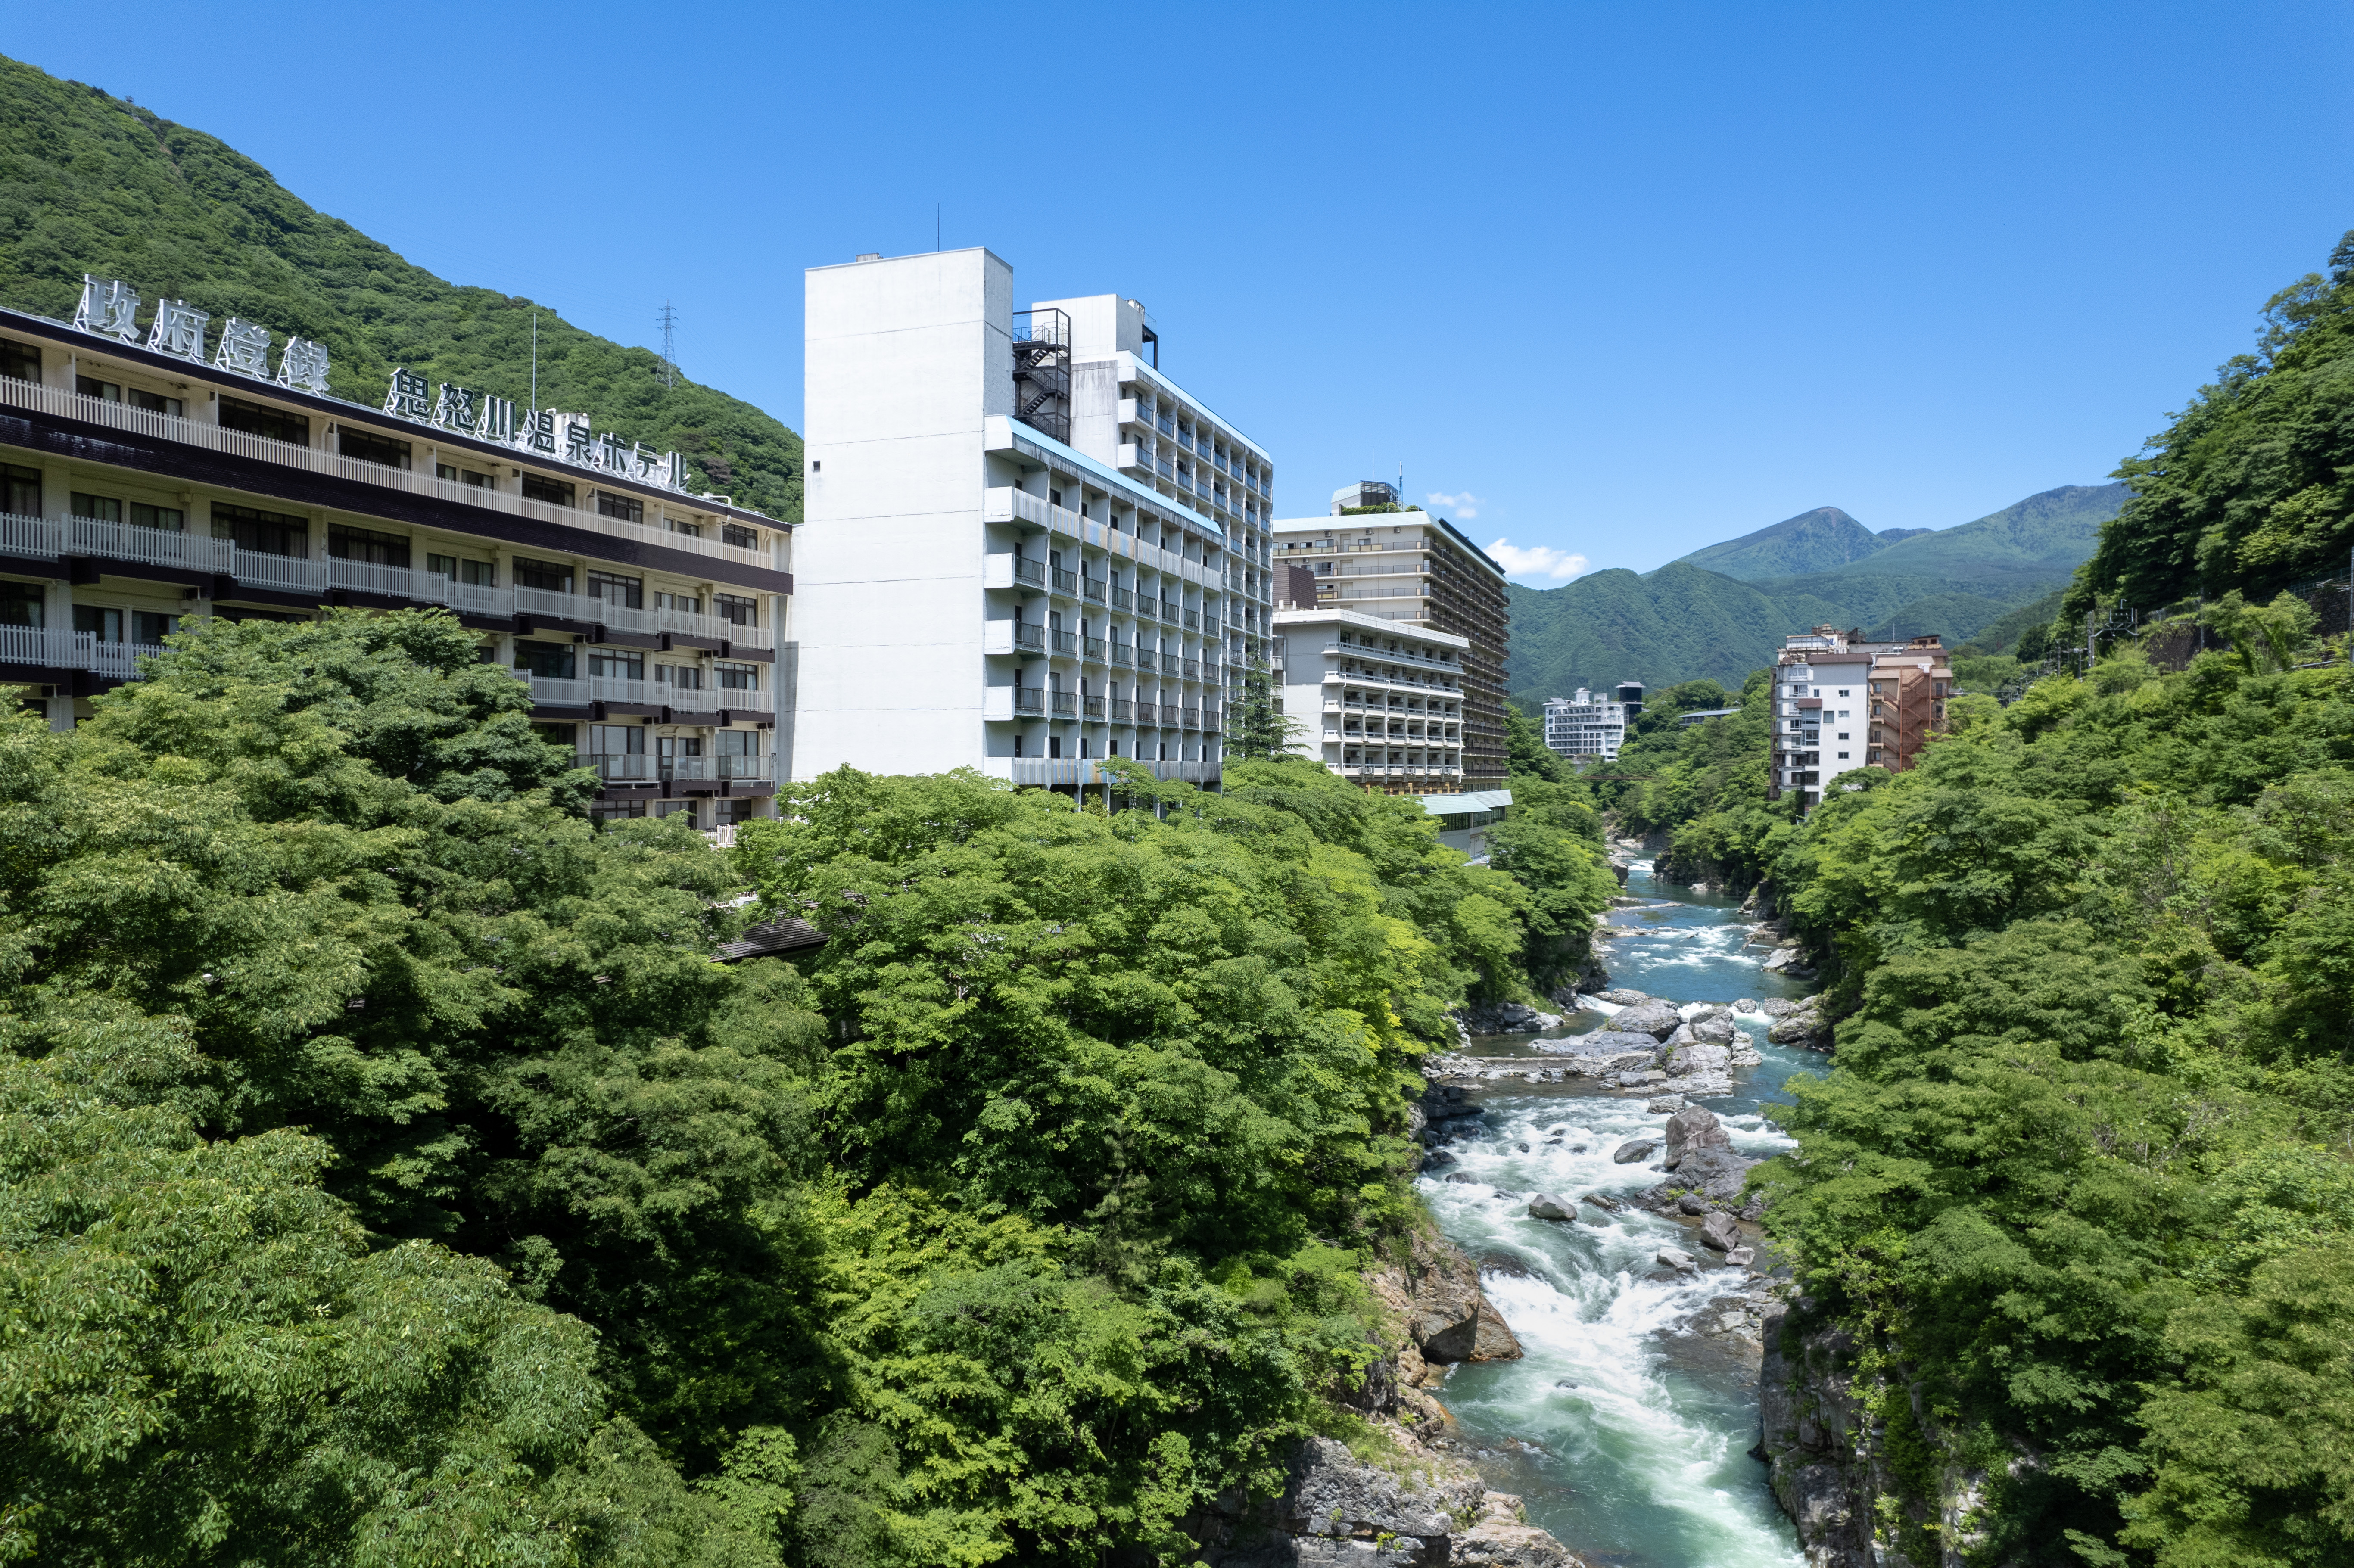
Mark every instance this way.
x=1464 y=507
x=1537 y=561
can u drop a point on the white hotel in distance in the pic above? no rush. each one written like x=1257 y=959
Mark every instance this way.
x=1025 y=548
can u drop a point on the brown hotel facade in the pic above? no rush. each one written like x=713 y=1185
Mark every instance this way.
x=143 y=487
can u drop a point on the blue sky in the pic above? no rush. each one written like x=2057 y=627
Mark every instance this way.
x=1615 y=281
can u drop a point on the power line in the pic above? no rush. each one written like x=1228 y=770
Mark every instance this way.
x=669 y=319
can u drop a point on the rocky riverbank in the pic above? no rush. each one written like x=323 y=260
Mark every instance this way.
x=1413 y=1503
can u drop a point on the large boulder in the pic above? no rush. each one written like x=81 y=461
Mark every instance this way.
x=1720 y=1233
x=1545 y=1206
x=1692 y=1129
x=1624 y=998
x=1481 y=1335
x=1603 y=1052
x=1719 y=1030
x=1634 y=1149
x=1657 y=1019
x=1709 y=1059
x=1336 y=1509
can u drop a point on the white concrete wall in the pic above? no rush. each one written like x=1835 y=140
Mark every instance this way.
x=906 y=358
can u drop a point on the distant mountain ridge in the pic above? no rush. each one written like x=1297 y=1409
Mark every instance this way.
x=1715 y=614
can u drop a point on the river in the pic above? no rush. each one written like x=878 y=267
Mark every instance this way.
x=1623 y=1431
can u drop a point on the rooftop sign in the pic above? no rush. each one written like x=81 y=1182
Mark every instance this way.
x=109 y=307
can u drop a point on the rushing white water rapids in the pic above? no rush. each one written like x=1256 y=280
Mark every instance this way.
x=1624 y=1429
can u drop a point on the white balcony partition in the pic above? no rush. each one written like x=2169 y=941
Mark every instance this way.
x=42 y=538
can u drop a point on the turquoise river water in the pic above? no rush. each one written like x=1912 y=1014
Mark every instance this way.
x=1623 y=1431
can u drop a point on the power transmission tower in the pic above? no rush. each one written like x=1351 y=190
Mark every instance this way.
x=670 y=326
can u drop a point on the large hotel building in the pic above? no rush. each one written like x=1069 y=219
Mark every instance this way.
x=1026 y=547
x=157 y=471
x=1381 y=561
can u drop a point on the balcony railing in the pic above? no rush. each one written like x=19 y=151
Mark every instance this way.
x=1029 y=571
x=1171 y=713
x=1122 y=599
x=54 y=648
x=1092 y=648
x=1144 y=659
x=1121 y=656
x=1192 y=719
x=1067 y=643
x=92 y=410
x=1193 y=670
x=1144 y=610
x=1029 y=699
x=1092 y=707
x=1066 y=581
x=1067 y=704
x=1092 y=588
x=1031 y=635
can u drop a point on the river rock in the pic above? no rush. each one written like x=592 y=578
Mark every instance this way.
x=1693 y=1128
x=1505 y=1018
x=1622 y=997
x=1657 y=1019
x=1665 y=1105
x=1691 y=1203
x=1603 y=1052
x=1774 y=1007
x=1634 y=1149
x=1680 y=1260
x=1545 y=1206
x=1718 y=1029
x=1331 y=1501
x=1438 y=1159
x=1719 y=1232
x=1741 y=1256
x=1683 y=1035
x=1601 y=1201
x=1698 y=1058
x=1743 y=1056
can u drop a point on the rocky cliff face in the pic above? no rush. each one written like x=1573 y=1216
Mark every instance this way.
x=1827 y=1445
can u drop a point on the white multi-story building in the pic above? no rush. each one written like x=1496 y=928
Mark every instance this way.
x=1378 y=700
x=1027 y=548
x=1820 y=705
x=1587 y=726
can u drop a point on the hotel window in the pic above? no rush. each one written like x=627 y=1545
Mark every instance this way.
x=736 y=608
x=548 y=576
x=345 y=543
x=629 y=593
x=738 y=535
x=482 y=574
x=692 y=530
x=737 y=742
x=102 y=621
x=550 y=660
x=616 y=664
x=92 y=386
x=563 y=735
x=20 y=490
x=450 y=474
x=154 y=402
x=686 y=603
x=730 y=810
x=99 y=508
x=263 y=533
x=615 y=810
x=369 y=446
x=616 y=740
x=554 y=491
x=733 y=677
x=628 y=508
x=675 y=809
x=685 y=677
x=152 y=625
x=170 y=519
x=20 y=604
x=21 y=360
x=260 y=419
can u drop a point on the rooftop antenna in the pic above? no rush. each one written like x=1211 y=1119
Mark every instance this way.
x=669 y=325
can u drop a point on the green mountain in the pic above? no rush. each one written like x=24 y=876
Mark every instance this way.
x=92 y=184
x=1683 y=621
x=1815 y=541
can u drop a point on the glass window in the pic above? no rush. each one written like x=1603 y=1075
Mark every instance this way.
x=104 y=508
x=104 y=391
x=738 y=742
x=617 y=739
x=20 y=490
x=152 y=625
x=629 y=593
x=478 y=480
x=20 y=604
x=743 y=538
x=260 y=419
x=168 y=518
x=21 y=360
x=692 y=530
x=553 y=659
x=563 y=735
x=103 y=622
x=548 y=576
x=737 y=608
x=733 y=677
x=682 y=746
x=685 y=677
x=628 y=508
x=369 y=446
x=616 y=664
x=674 y=809
x=446 y=471
x=263 y=533
x=441 y=566
x=730 y=808
x=554 y=491
x=691 y=604
x=154 y=402
x=482 y=574
x=345 y=543
x=615 y=810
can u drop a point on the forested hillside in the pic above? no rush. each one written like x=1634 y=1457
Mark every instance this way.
x=93 y=184
x=1718 y=614
x=2252 y=487
x=391 y=1175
